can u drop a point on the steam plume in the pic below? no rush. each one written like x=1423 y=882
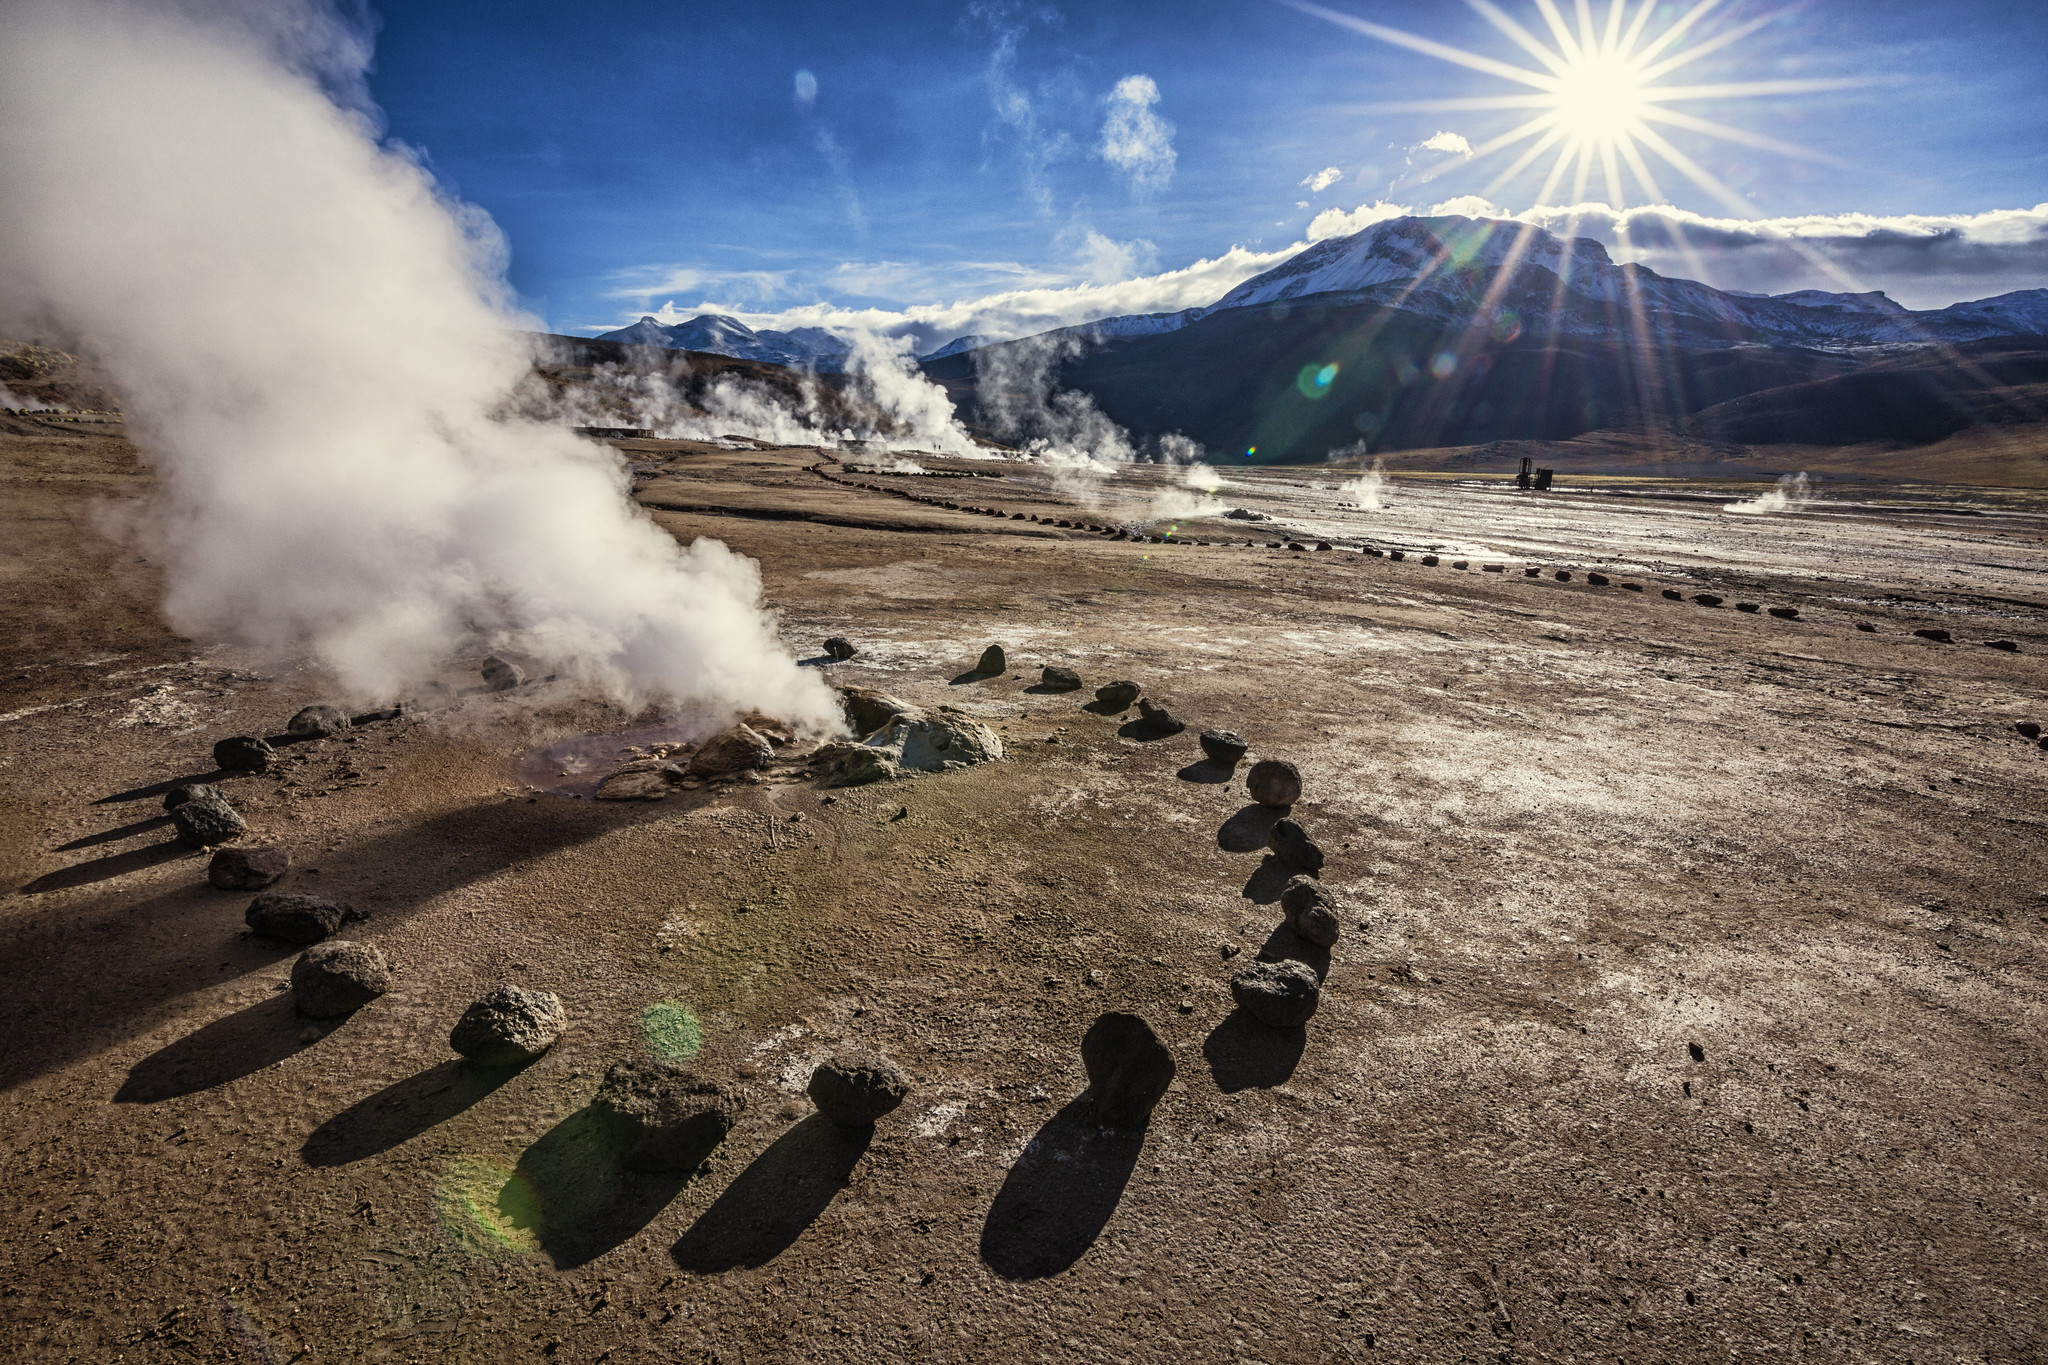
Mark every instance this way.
x=1790 y=495
x=1365 y=490
x=318 y=353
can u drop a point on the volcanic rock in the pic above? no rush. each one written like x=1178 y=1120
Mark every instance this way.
x=733 y=750
x=1159 y=719
x=1706 y=599
x=1748 y=606
x=1936 y=634
x=1224 y=746
x=1673 y=595
x=868 y=710
x=1274 y=782
x=502 y=675
x=1785 y=613
x=190 y=791
x=209 y=820
x=295 y=919
x=662 y=1116
x=1117 y=696
x=853 y=1089
x=1277 y=994
x=1312 y=911
x=1060 y=679
x=243 y=754
x=248 y=869
x=509 y=1027
x=992 y=661
x=1429 y=561
x=2009 y=646
x=911 y=743
x=2028 y=728
x=1290 y=844
x=1563 y=575
x=338 y=977
x=317 y=722
x=1598 y=580
x=840 y=648
x=1128 y=1069
x=1866 y=627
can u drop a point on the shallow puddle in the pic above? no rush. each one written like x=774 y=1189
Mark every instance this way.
x=579 y=765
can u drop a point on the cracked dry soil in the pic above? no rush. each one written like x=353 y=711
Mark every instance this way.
x=1690 y=1002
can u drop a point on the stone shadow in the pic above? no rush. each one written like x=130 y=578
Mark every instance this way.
x=574 y=1193
x=115 y=835
x=399 y=1113
x=1244 y=1054
x=782 y=1193
x=260 y=1035
x=1060 y=1194
x=1266 y=883
x=1208 y=772
x=1284 y=945
x=108 y=866
x=1249 y=830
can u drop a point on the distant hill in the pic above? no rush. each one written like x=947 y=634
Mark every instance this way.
x=715 y=334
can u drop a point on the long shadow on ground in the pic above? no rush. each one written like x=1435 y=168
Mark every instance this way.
x=1059 y=1196
x=263 y=1034
x=785 y=1189
x=1249 y=829
x=399 y=1113
x=87 y=971
x=1244 y=1054
x=571 y=1190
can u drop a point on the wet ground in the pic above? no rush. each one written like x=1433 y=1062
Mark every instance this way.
x=1690 y=1001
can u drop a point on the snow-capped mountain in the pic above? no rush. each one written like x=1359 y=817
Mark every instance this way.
x=974 y=341
x=1453 y=269
x=811 y=348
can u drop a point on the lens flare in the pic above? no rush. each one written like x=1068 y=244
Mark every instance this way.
x=488 y=1209
x=1314 y=380
x=671 y=1032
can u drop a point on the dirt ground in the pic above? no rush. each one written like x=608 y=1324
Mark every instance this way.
x=1690 y=1002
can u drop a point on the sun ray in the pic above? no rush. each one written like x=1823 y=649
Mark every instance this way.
x=1565 y=42
x=1701 y=49
x=1521 y=37
x=1452 y=106
x=1723 y=131
x=1587 y=43
x=1612 y=42
x=1522 y=162
x=1743 y=89
x=1678 y=29
x=1429 y=48
x=1635 y=28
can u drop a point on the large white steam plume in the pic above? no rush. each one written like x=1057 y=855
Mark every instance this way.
x=316 y=350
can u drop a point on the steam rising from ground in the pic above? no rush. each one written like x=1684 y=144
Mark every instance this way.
x=1791 y=494
x=317 y=351
x=1195 y=497
x=1022 y=401
x=1365 y=490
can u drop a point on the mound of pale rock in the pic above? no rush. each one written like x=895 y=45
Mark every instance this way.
x=913 y=743
x=732 y=751
x=868 y=710
x=317 y=722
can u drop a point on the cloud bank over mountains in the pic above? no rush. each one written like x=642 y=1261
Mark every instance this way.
x=1920 y=260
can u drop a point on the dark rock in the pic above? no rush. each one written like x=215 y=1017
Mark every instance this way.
x=502 y=675
x=1936 y=634
x=1532 y=572
x=1274 y=782
x=2028 y=728
x=868 y=710
x=1290 y=844
x=853 y=1089
x=1461 y=564
x=1493 y=568
x=1376 y=554
x=295 y=919
x=840 y=648
x=190 y=791
x=209 y=820
x=1117 y=696
x=1785 y=613
x=242 y=754
x=664 y=1117
x=509 y=1027
x=317 y=722
x=1297 y=545
x=1598 y=580
x=735 y=749
x=2009 y=646
x=1429 y=561
x=992 y=661
x=1631 y=587
x=1563 y=575
x=1312 y=911
x=1060 y=679
x=1673 y=595
x=1277 y=994
x=338 y=977
x=1706 y=599
x=1397 y=554
x=1866 y=627
x=248 y=869
x=1323 y=545
x=1748 y=606
x=1159 y=719
x=1224 y=746
x=1128 y=1069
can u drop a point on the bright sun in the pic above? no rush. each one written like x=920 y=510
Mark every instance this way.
x=1598 y=94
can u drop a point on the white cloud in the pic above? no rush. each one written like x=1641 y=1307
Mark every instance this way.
x=1322 y=179
x=1134 y=139
x=1107 y=261
x=1469 y=206
x=1338 y=223
x=1453 y=143
x=806 y=89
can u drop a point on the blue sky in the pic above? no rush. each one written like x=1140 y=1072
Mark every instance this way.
x=641 y=154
